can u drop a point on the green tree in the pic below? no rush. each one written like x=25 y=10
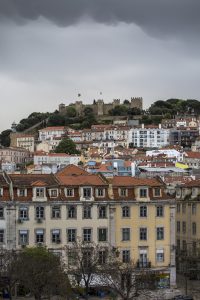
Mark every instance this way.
x=5 y=137
x=41 y=272
x=66 y=145
x=56 y=120
x=71 y=112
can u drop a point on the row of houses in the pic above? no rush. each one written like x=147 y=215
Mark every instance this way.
x=134 y=215
x=107 y=136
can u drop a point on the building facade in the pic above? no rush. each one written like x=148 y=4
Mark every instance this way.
x=133 y=215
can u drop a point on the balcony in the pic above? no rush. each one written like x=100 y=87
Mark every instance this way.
x=143 y=264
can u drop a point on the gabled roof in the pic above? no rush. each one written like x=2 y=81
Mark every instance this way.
x=192 y=154
x=82 y=180
x=71 y=170
x=33 y=179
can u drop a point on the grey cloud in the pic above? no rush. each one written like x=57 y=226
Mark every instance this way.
x=157 y=17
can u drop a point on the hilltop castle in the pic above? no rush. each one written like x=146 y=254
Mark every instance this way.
x=100 y=108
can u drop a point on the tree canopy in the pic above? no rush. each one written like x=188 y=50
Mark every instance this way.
x=66 y=145
x=41 y=272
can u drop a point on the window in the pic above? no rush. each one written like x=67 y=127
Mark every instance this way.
x=1 y=236
x=178 y=245
x=100 y=192
x=125 y=212
x=184 y=227
x=87 y=192
x=159 y=211
x=39 y=212
x=184 y=245
x=69 y=192
x=39 y=236
x=87 y=212
x=23 y=213
x=160 y=233
x=157 y=192
x=143 y=211
x=125 y=256
x=194 y=209
x=123 y=192
x=178 y=208
x=1 y=212
x=194 y=228
x=143 y=193
x=39 y=192
x=102 y=212
x=71 y=235
x=102 y=257
x=55 y=236
x=55 y=212
x=178 y=226
x=23 y=237
x=53 y=193
x=102 y=234
x=87 y=235
x=21 y=192
x=1 y=192
x=71 y=258
x=143 y=234
x=183 y=208
x=160 y=255
x=125 y=234
x=72 y=212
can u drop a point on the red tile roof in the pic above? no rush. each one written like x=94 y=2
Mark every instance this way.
x=31 y=179
x=71 y=170
x=192 y=154
x=134 y=181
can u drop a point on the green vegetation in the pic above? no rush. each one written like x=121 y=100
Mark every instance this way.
x=66 y=145
x=5 y=138
x=33 y=119
x=123 y=110
x=175 y=106
x=41 y=272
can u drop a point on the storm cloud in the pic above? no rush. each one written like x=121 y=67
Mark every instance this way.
x=157 y=17
x=52 y=50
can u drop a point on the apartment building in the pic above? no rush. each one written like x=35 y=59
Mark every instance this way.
x=133 y=215
x=15 y=155
x=41 y=158
x=49 y=133
x=188 y=225
x=149 y=137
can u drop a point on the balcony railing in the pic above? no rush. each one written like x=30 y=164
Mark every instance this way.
x=143 y=264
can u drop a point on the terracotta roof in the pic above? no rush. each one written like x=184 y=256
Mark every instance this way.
x=192 y=154
x=74 y=180
x=71 y=170
x=33 y=179
x=193 y=183
x=53 y=128
x=134 y=181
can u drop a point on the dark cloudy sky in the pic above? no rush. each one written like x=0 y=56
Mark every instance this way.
x=51 y=50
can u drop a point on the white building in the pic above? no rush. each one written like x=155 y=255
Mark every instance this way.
x=55 y=159
x=170 y=153
x=51 y=132
x=149 y=137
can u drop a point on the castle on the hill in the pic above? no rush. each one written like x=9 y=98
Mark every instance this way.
x=100 y=108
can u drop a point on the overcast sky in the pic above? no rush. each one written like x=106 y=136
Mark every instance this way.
x=51 y=50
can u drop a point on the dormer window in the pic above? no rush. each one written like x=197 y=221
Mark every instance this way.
x=69 y=192
x=157 y=192
x=40 y=192
x=87 y=192
x=143 y=193
x=53 y=193
x=123 y=192
x=21 y=192
x=100 y=192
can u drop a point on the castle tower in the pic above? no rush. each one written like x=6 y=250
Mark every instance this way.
x=62 y=108
x=116 y=102
x=100 y=106
x=79 y=107
x=137 y=102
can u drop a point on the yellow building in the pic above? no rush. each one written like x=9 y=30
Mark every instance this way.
x=188 y=224
x=144 y=224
